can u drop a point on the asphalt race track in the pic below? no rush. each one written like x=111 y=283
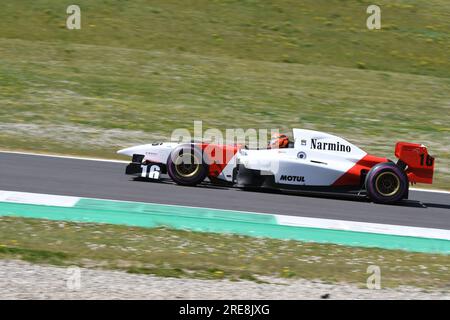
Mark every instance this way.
x=106 y=180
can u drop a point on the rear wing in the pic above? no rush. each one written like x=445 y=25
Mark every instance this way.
x=418 y=163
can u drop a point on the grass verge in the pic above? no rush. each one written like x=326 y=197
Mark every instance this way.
x=172 y=253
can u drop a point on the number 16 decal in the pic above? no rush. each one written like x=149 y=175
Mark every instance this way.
x=153 y=173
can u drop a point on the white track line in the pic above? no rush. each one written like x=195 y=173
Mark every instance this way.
x=122 y=161
x=63 y=157
x=430 y=190
x=38 y=199
x=366 y=227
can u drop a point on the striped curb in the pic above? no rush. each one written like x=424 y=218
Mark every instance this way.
x=351 y=233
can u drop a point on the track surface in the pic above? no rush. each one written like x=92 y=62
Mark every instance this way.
x=106 y=180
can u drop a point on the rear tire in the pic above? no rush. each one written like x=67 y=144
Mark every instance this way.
x=186 y=167
x=386 y=183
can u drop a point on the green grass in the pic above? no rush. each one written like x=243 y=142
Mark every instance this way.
x=139 y=69
x=172 y=253
x=414 y=36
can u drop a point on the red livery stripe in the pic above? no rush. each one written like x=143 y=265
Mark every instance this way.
x=218 y=156
x=353 y=176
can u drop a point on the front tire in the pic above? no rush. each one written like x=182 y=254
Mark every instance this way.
x=386 y=183
x=186 y=167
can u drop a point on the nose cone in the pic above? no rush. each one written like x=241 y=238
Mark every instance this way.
x=127 y=151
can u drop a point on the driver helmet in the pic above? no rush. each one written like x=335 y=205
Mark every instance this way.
x=278 y=141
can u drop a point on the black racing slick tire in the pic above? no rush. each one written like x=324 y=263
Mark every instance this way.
x=186 y=165
x=386 y=183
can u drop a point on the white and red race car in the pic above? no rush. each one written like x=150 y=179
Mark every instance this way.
x=316 y=162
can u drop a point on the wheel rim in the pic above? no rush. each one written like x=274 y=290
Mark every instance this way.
x=187 y=165
x=387 y=184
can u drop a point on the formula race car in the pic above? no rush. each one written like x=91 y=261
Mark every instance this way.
x=315 y=161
